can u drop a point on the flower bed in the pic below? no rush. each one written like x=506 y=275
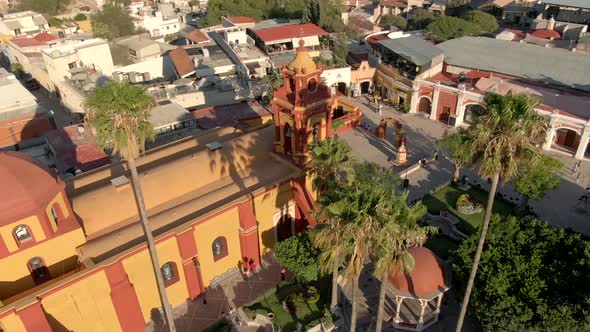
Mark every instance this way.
x=466 y=204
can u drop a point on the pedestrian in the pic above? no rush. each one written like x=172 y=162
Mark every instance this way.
x=423 y=162
x=253 y=266
x=584 y=198
x=379 y=109
x=283 y=274
x=435 y=156
x=577 y=166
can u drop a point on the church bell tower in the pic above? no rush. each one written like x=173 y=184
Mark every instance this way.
x=302 y=108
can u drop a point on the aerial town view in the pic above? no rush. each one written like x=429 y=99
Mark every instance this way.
x=294 y=165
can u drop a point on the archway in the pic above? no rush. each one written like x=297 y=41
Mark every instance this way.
x=470 y=111
x=424 y=105
x=284 y=227
x=342 y=88
x=365 y=87
x=287 y=133
x=567 y=139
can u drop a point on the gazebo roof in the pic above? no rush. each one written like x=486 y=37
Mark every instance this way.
x=426 y=281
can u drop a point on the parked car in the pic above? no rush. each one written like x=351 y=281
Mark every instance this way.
x=32 y=84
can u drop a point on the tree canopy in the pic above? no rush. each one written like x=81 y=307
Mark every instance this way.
x=448 y=27
x=532 y=277
x=112 y=21
x=484 y=22
x=299 y=256
x=389 y=20
x=419 y=18
x=534 y=181
x=51 y=7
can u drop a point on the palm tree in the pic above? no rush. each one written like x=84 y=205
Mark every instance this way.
x=398 y=232
x=507 y=135
x=456 y=148
x=329 y=167
x=119 y=112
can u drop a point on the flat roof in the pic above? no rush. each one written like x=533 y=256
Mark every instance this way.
x=274 y=22
x=414 y=49
x=548 y=65
x=585 y=4
x=65 y=49
x=168 y=113
x=14 y=93
x=290 y=32
x=173 y=195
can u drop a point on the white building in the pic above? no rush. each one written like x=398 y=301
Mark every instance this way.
x=159 y=21
x=23 y=23
x=94 y=54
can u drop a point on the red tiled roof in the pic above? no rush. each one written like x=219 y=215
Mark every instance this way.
x=27 y=42
x=546 y=34
x=182 y=62
x=394 y=3
x=240 y=19
x=45 y=37
x=518 y=34
x=426 y=279
x=73 y=149
x=197 y=36
x=290 y=31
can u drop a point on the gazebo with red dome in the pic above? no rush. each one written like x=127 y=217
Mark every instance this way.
x=418 y=295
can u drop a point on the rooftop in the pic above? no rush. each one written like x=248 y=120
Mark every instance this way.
x=168 y=113
x=585 y=4
x=240 y=19
x=182 y=62
x=290 y=32
x=413 y=49
x=39 y=40
x=274 y=22
x=196 y=36
x=14 y=94
x=243 y=165
x=67 y=49
x=228 y=115
x=548 y=65
x=75 y=148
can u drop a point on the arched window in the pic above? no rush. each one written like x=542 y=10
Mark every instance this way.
x=317 y=132
x=22 y=234
x=39 y=271
x=169 y=273
x=219 y=248
x=312 y=84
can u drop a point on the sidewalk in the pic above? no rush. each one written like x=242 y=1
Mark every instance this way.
x=230 y=290
x=560 y=207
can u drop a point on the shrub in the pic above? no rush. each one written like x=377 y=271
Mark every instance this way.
x=55 y=22
x=80 y=17
x=466 y=204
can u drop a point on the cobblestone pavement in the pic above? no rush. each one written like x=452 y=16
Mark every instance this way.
x=230 y=290
x=560 y=207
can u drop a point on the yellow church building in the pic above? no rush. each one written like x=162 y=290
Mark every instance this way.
x=73 y=255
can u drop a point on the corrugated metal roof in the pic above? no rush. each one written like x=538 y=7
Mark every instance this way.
x=412 y=48
x=550 y=65
x=569 y=3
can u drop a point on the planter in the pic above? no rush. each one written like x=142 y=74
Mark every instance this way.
x=466 y=204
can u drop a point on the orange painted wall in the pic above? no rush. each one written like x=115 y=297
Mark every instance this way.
x=266 y=206
x=12 y=323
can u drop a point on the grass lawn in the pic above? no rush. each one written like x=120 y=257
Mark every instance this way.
x=446 y=197
x=305 y=313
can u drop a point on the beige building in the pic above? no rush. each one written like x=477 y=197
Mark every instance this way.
x=23 y=23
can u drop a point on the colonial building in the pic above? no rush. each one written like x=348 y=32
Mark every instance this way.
x=73 y=256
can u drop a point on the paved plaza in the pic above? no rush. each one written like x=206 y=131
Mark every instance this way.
x=560 y=207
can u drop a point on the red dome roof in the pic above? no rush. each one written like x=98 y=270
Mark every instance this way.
x=427 y=278
x=27 y=186
x=546 y=34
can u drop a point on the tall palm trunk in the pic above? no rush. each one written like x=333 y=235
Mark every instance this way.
x=355 y=284
x=381 y=308
x=334 y=302
x=457 y=173
x=482 y=239
x=151 y=245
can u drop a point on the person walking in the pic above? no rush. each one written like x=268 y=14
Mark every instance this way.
x=576 y=167
x=435 y=156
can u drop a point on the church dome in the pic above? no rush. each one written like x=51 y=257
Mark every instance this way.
x=27 y=186
x=303 y=63
x=427 y=279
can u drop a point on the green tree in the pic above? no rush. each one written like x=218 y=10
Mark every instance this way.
x=112 y=21
x=507 y=134
x=389 y=20
x=329 y=168
x=339 y=47
x=534 y=181
x=55 y=22
x=80 y=17
x=311 y=12
x=484 y=22
x=299 y=256
x=456 y=148
x=533 y=277
x=448 y=27
x=119 y=112
x=419 y=19
x=272 y=81
x=50 y=7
